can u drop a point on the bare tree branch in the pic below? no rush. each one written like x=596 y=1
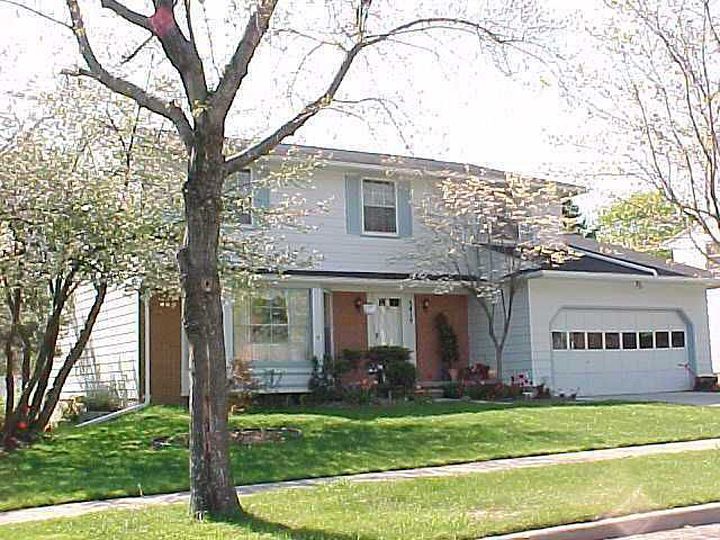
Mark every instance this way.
x=237 y=68
x=35 y=12
x=240 y=161
x=143 y=98
x=129 y=15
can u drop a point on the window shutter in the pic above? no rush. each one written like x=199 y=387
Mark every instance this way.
x=353 y=200
x=261 y=197
x=404 y=208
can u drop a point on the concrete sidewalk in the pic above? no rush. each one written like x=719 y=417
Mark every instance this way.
x=478 y=467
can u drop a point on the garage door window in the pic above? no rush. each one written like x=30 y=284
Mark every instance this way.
x=646 y=340
x=559 y=341
x=612 y=340
x=629 y=340
x=577 y=340
x=662 y=340
x=678 y=339
x=595 y=340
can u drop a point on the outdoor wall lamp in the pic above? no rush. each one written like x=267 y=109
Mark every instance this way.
x=359 y=302
x=426 y=304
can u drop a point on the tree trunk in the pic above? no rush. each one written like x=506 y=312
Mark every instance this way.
x=53 y=396
x=27 y=358
x=13 y=302
x=499 y=362
x=211 y=486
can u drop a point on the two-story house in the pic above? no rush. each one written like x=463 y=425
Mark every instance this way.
x=609 y=322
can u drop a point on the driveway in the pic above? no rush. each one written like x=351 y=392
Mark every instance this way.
x=707 y=399
x=702 y=532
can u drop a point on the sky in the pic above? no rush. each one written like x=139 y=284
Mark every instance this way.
x=457 y=107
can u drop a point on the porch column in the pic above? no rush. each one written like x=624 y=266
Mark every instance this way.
x=317 y=308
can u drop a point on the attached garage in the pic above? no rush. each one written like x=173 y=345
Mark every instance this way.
x=615 y=322
x=602 y=352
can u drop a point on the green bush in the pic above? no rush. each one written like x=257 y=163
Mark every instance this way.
x=449 y=349
x=452 y=390
x=103 y=398
x=401 y=375
x=387 y=354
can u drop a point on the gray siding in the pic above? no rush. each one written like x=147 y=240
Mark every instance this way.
x=110 y=360
x=517 y=352
x=336 y=235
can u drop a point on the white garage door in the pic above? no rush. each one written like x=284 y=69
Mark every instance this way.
x=604 y=352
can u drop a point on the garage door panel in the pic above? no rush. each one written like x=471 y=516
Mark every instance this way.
x=603 y=372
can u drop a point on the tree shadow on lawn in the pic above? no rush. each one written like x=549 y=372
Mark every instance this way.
x=248 y=522
x=422 y=410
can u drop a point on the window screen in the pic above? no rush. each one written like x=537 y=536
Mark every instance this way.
x=379 y=207
x=629 y=340
x=678 y=339
x=646 y=340
x=595 y=340
x=559 y=341
x=662 y=340
x=577 y=340
x=612 y=340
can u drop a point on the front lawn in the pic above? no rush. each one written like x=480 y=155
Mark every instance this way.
x=116 y=458
x=433 y=508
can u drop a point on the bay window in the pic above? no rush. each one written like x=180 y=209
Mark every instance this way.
x=272 y=326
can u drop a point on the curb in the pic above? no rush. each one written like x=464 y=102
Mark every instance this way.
x=619 y=527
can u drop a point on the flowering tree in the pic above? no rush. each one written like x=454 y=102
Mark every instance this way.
x=650 y=93
x=201 y=96
x=484 y=235
x=72 y=212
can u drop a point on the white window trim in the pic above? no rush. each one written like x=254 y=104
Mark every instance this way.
x=622 y=346
x=604 y=340
x=587 y=340
x=684 y=340
x=396 y=234
x=637 y=341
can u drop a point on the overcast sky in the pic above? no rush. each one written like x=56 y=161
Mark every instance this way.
x=453 y=109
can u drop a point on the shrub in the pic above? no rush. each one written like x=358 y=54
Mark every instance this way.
x=400 y=375
x=452 y=390
x=393 y=362
x=447 y=338
x=387 y=354
x=103 y=398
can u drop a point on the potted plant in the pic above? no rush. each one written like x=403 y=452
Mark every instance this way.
x=448 y=345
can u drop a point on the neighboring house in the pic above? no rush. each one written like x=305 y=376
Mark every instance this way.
x=696 y=248
x=610 y=322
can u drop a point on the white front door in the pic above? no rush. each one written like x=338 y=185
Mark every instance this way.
x=385 y=324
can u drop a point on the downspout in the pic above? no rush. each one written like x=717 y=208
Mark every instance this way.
x=146 y=390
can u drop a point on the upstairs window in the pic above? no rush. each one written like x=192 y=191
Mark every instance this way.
x=379 y=207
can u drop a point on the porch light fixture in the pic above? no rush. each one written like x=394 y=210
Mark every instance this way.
x=426 y=304
x=359 y=302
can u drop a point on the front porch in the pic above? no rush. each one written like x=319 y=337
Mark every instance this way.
x=363 y=319
x=281 y=330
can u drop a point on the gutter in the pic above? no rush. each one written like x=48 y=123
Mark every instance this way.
x=146 y=391
x=709 y=283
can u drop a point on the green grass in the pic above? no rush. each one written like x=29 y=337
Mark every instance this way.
x=458 y=507
x=115 y=459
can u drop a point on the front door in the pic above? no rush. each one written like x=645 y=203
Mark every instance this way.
x=385 y=324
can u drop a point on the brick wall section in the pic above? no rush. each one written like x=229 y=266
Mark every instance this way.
x=349 y=323
x=455 y=308
x=165 y=353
